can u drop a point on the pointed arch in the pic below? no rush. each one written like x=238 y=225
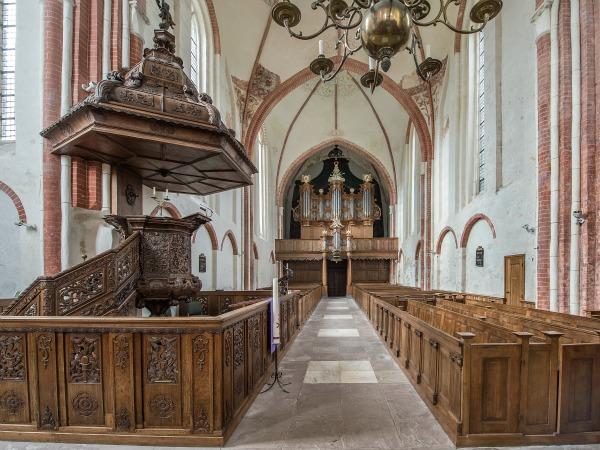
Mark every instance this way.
x=464 y=240
x=255 y=250
x=16 y=201
x=418 y=250
x=356 y=67
x=214 y=242
x=295 y=166
x=170 y=208
x=443 y=234
x=229 y=235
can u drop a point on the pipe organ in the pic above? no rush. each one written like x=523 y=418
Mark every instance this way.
x=339 y=211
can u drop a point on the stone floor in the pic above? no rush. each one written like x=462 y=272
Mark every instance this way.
x=345 y=392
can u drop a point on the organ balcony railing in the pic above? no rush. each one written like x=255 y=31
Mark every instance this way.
x=313 y=249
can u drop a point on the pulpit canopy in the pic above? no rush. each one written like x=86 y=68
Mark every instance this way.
x=153 y=122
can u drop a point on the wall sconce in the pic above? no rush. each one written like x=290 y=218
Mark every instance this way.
x=580 y=217
x=21 y=223
x=529 y=228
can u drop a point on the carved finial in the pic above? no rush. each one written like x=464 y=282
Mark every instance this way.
x=165 y=15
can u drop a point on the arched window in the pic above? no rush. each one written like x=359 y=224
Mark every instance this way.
x=199 y=64
x=7 y=70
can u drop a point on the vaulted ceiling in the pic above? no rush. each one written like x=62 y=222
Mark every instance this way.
x=264 y=60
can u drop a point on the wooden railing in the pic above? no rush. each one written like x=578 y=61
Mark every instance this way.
x=103 y=285
x=148 y=381
x=487 y=381
x=298 y=248
x=385 y=248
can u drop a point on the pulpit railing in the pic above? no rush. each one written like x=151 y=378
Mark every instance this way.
x=102 y=285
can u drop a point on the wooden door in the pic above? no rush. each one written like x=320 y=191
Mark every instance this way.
x=514 y=279
x=336 y=278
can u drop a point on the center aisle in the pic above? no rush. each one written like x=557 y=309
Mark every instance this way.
x=346 y=392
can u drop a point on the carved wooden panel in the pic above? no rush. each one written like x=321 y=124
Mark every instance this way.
x=123 y=373
x=166 y=253
x=227 y=375
x=46 y=355
x=162 y=381
x=202 y=370
x=14 y=396
x=239 y=364
x=84 y=368
x=580 y=388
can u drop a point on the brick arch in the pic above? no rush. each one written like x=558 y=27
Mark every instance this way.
x=214 y=242
x=255 y=250
x=414 y=113
x=290 y=173
x=16 y=201
x=469 y=227
x=443 y=234
x=171 y=209
x=272 y=257
x=214 y=25
x=229 y=235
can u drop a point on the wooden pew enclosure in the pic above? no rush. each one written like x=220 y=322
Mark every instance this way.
x=493 y=375
x=183 y=381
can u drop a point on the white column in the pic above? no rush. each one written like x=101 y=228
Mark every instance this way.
x=65 y=106
x=125 y=36
x=106 y=195
x=213 y=268
x=106 y=57
x=574 y=301
x=554 y=156
x=463 y=269
x=65 y=210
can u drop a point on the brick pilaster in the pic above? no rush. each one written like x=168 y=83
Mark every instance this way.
x=565 y=114
x=51 y=163
x=81 y=47
x=96 y=30
x=543 y=125
x=589 y=199
x=116 y=33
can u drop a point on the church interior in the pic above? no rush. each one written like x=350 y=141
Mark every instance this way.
x=324 y=224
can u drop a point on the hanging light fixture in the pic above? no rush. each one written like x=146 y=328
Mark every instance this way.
x=381 y=28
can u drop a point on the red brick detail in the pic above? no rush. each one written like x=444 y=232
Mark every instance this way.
x=543 y=225
x=170 y=208
x=272 y=257
x=459 y=24
x=79 y=191
x=51 y=106
x=464 y=239
x=589 y=141
x=16 y=201
x=214 y=242
x=136 y=49
x=95 y=48
x=293 y=169
x=564 y=144
x=596 y=304
x=445 y=232
x=254 y=250
x=354 y=66
x=81 y=47
x=214 y=25
x=229 y=235
x=94 y=185
x=116 y=35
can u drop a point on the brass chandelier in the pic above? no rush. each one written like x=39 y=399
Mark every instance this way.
x=381 y=28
